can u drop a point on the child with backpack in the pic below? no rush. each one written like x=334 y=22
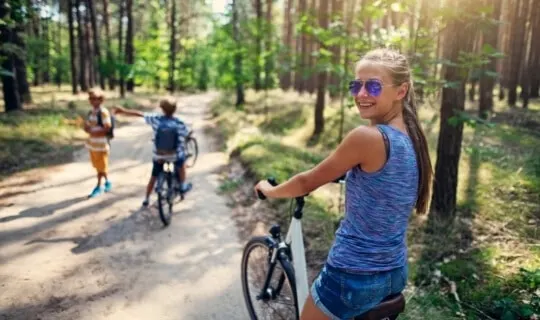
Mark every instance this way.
x=99 y=125
x=169 y=133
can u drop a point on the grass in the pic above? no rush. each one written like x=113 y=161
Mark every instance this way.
x=45 y=132
x=489 y=251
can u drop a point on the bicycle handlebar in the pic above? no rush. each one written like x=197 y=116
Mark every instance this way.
x=273 y=182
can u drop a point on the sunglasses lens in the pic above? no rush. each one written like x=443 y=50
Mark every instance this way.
x=373 y=87
x=354 y=87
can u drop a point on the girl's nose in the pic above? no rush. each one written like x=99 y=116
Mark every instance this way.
x=363 y=92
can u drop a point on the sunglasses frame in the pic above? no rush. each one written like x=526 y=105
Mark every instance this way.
x=365 y=83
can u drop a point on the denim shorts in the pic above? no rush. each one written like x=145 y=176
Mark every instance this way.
x=157 y=167
x=343 y=295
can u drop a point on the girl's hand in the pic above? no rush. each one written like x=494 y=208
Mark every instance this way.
x=265 y=187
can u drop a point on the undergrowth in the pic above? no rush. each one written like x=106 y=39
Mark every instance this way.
x=490 y=253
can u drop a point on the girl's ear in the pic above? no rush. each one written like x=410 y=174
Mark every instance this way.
x=402 y=91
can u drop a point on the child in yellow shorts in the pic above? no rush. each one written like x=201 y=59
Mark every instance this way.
x=97 y=125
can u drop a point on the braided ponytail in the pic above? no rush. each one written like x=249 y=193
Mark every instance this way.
x=398 y=68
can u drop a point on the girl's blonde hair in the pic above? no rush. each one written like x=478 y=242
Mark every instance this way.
x=399 y=70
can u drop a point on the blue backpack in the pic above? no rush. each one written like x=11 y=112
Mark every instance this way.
x=166 y=139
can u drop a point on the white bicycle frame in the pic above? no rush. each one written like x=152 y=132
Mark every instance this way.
x=296 y=242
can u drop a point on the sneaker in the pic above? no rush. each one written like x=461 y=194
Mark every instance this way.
x=145 y=203
x=96 y=192
x=186 y=187
x=108 y=186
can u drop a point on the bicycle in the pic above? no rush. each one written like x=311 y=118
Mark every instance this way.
x=289 y=256
x=192 y=149
x=167 y=189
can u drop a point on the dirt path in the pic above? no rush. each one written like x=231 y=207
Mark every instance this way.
x=63 y=256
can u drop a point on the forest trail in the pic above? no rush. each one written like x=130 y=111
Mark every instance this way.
x=63 y=256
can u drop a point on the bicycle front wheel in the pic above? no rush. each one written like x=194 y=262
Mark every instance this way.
x=278 y=300
x=165 y=192
x=192 y=152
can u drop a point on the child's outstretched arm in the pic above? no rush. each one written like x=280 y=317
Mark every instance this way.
x=126 y=112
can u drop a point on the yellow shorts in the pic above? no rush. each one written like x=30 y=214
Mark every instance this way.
x=100 y=160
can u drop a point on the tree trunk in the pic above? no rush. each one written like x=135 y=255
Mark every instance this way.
x=240 y=99
x=83 y=81
x=110 y=77
x=129 y=44
x=269 y=60
x=20 y=65
x=258 y=44
x=12 y=100
x=535 y=52
x=35 y=22
x=90 y=70
x=97 y=51
x=45 y=22
x=57 y=36
x=120 y=58
x=517 y=48
x=337 y=13
x=172 y=53
x=525 y=78
x=322 y=76
x=72 y=53
x=487 y=82
x=443 y=202
x=288 y=45
x=312 y=46
x=301 y=53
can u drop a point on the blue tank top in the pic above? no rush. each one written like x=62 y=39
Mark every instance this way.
x=372 y=235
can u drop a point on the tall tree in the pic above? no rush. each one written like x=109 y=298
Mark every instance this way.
x=535 y=52
x=97 y=51
x=487 y=80
x=108 y=41
x=83 y=80
x=120 y=58
x=337 y=15
x=301 y=51
x=129 y=45
x=258 y=43
x=444 y=196
x=322 y=76
x=12 y=100
x=269 y=47
x=172 y=51
x=20 y=63
x=288 y=47
x=72 y=53
x=238 y=76
x=521 y=8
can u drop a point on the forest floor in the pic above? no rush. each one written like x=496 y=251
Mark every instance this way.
x=63 y=256
x=488 y=257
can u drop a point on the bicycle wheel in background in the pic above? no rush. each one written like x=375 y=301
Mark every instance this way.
x=280 y=301
x=165 y=192
x=192 y=151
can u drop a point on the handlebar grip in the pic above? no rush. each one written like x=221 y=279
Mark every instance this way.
x=273 y=182
x=342 y=178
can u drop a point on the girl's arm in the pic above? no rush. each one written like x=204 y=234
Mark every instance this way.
x=360 y=146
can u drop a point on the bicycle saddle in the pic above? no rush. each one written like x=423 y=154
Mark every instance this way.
x=389 y=308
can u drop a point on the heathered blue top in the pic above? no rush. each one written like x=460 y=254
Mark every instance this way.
x=372 y=235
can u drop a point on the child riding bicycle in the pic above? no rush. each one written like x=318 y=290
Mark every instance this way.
x=169 y=134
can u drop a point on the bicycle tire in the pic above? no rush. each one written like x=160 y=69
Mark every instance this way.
x=285 y=264
x=191 y=157
x=165 y=196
